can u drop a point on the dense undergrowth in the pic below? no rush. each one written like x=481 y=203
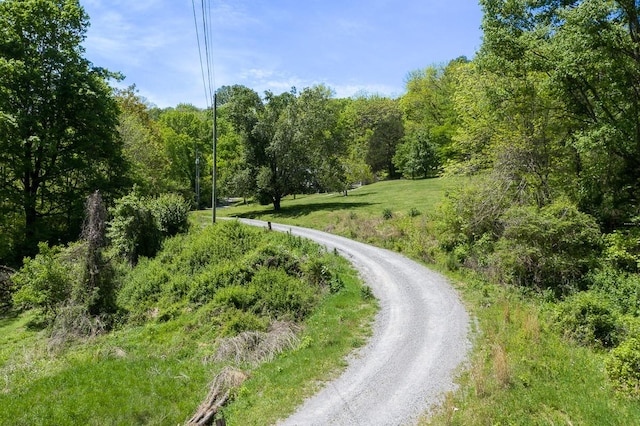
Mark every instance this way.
x=177 y=313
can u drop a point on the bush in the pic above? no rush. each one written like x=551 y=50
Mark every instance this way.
x=133 y=229
x=589 y=319
x=387 y=214
x=621 y=289
x=236 y=296
x=172 y=213
x=46 y=281
x=144 y=286
x=230 y=267
x=414 y=212
x=549 y=247
x=623 y=367
x=622 y=249
x=281 y=295
x=470 y=214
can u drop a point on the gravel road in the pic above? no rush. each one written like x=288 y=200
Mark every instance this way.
x=420 y=337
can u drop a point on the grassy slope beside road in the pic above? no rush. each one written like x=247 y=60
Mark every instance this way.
x=522 y=372
x=157 y=369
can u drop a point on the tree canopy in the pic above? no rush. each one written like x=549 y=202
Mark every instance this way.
x=58 y=138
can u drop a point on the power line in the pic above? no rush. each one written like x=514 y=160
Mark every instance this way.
x=195 y=20
x=208 y=79
x=208 y=76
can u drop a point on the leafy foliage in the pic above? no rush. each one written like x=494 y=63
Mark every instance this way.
x=172 y=214
x=552 y=247
x=589 y=319
x=133 y=229
x=623 y=367
x=58 y=139
x=45 y=281
x=246 y=275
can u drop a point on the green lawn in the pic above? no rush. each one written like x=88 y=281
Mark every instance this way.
x=319 y=210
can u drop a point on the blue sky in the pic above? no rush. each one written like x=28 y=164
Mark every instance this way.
x=350 y=45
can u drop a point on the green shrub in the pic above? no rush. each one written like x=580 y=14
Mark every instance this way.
x=549 y=247
x=172 y=213
x=414 y=212
x=45 y=281
x=275 y=257
x=623 y=367
x=236 y=296
x=387 y=214
x=621 y=289
x=470 y=214
x=281 y=295
x=235 y=321
x=143 y=285
x=133 y=229
x=317 y=272
x=204 y=285
x=589 y=319
x=622 y=249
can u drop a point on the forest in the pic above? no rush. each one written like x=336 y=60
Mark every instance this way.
x=545 y=119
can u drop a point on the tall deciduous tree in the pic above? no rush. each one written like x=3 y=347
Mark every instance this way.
x=186 y=131
x=289 y=139
x=143 y=144
x=58 y=118
x=375 y=125
x=590 y=51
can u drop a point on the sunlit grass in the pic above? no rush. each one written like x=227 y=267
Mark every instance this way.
x=159 y=372
x=317 y=210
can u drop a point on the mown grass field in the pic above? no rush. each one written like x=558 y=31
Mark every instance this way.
x=521 y=372
x=321 y=210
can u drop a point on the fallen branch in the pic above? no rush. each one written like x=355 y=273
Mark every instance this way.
x=228 y=379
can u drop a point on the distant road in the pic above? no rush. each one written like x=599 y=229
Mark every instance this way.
x=420 y=337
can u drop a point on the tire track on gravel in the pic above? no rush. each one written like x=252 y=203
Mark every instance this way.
x=420 y=338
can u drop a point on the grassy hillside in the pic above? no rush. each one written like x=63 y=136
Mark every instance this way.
x=522 y=370
x=178 y=313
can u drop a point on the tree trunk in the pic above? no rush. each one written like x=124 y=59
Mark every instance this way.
x=276 y=203
x=31 y=224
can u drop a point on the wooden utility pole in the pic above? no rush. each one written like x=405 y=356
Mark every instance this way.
x=214 y=194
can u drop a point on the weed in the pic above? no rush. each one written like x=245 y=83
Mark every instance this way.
x=501 y=369
x=387 y=214
x=623 y=367
x=414 y=212
x=366 y=293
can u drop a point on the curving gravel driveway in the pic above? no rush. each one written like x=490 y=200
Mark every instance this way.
x=420 y=337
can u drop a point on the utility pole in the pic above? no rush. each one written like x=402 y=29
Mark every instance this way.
x=215 y=143
x=197 y=179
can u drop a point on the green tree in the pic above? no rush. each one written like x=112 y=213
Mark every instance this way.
x=288 y=139
x=187 y=134
x=58 y=118
x=428 y=106
x=590 y=52
x=375 y=125
x=417 y=156
x=143 y=144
